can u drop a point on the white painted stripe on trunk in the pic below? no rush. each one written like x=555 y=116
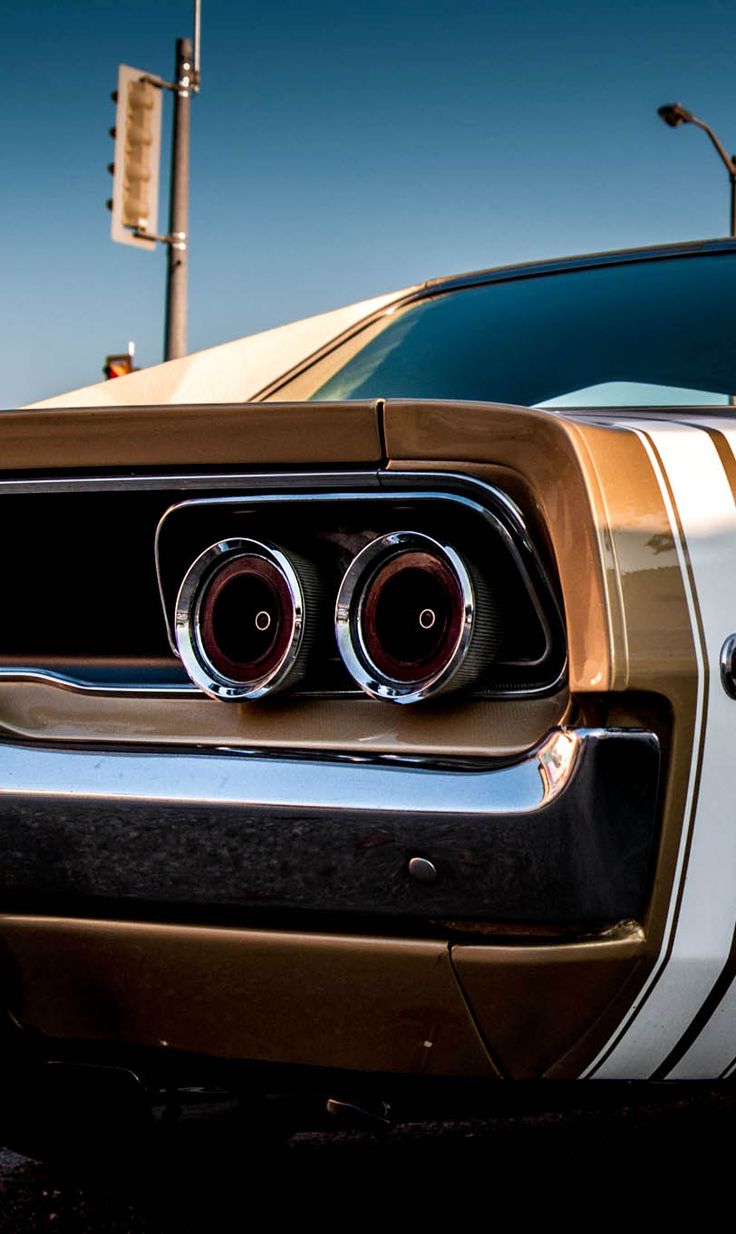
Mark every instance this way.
x=714 y=1050
x=679 y=984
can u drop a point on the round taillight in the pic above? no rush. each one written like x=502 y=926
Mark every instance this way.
x=244 y=614
x=413 y=619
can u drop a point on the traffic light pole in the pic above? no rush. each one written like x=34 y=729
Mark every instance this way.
x=178 y=238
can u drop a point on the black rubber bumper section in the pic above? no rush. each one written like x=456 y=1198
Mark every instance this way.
x=586 y=855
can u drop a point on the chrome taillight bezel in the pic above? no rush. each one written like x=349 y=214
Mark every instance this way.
x=456 y=669
x=190 y=634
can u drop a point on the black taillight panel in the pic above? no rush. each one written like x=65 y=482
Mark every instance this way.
x=427 y=587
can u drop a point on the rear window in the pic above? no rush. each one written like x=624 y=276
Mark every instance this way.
x=648 y=333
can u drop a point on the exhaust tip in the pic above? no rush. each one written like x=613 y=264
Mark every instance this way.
x=240 y=621
x=413 y=619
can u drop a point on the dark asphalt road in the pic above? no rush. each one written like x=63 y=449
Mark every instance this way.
x=211 y=1179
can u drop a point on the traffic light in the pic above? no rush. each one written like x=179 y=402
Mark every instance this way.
x=120 y=365
x=135 y=165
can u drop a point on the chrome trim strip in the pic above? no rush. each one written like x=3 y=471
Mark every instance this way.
x=103 y=689
x=394 y=484
x=481 y=489
x=191 y=483
x=230 y=779
x=561 y=265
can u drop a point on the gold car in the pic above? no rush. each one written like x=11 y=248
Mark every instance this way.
x=367 y=691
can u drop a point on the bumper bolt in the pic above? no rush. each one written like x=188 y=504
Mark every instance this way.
x=422 y=870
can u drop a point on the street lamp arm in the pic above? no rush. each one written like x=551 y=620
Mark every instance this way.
x=729 y=162
x=674 y=114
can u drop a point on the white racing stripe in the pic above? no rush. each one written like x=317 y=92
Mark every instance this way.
x=714 y=1050
x=700 y=937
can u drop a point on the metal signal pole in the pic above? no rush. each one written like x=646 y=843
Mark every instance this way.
x=135 y=169
x=178 y=238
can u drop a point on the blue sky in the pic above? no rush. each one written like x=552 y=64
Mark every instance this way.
x=340 y=150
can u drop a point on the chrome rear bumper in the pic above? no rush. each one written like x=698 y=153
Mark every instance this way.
x=565 y=834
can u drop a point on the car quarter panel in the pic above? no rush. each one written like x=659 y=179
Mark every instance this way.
x=661 y=496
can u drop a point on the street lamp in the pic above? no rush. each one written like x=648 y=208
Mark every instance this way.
x=674 y=114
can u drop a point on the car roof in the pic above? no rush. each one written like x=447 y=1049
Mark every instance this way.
x=558 y=265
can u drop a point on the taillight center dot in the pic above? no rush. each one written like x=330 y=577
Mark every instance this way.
x=427 y=618
x=263 y=620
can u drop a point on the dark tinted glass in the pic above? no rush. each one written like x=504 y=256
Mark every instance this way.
x=668 y=326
